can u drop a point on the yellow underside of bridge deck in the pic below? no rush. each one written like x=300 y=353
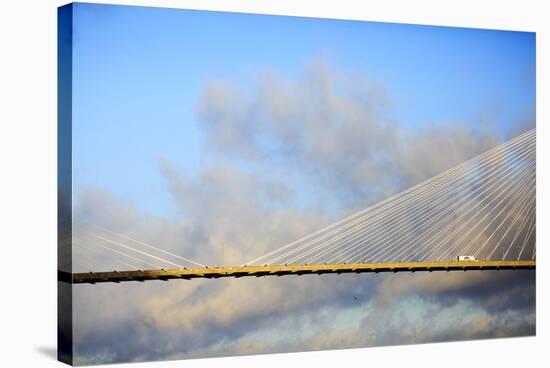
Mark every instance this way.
x=280 y=270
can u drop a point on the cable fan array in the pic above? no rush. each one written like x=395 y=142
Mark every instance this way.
x=96 y=248
x=484 y=207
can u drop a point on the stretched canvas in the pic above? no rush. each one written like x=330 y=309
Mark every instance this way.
x=234 y=184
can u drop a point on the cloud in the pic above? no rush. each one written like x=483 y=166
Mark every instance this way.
x=228 y=206
x=329 y=138
x=461 y=283
x=160 y=320
x=333 y=127
x=283 y=158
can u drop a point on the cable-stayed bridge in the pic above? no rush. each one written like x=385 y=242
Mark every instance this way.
x=479 y=215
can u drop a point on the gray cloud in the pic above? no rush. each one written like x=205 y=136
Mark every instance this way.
x=284 y=159
x=336 y=129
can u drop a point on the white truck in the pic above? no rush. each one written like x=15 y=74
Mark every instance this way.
x=466 y=258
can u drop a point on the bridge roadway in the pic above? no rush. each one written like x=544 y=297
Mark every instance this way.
x=280 y=270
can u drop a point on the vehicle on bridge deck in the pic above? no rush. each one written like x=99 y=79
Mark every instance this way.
x=466 y=258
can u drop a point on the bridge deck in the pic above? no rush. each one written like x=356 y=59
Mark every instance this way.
x=280 y=270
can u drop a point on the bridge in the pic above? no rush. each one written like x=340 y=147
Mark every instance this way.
x=260 y=271
x=478 y=215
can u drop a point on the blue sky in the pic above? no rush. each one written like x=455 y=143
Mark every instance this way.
x=138 y=73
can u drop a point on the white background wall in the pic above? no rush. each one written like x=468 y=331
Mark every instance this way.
x=28 y=179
